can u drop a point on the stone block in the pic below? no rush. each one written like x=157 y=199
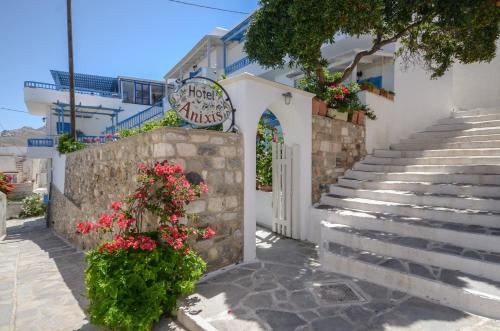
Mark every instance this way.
x=199 y=138
x=217 y=140
x=215 y=204
x=231 y=202
x=228 y=151
x=219 y=162
x=163 y=150
x=185 y=150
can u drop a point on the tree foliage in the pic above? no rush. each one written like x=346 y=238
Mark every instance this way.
x=434 y=32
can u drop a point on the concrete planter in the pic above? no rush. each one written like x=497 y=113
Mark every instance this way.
x=335 y=114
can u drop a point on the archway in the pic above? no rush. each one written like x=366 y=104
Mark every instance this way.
x=269 y=133
x=251 y=96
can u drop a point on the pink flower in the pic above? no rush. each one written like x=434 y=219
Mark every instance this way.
x=203 y=187
x=209 y=232
x=105 y=221
x=116 y=205
x=84 y=227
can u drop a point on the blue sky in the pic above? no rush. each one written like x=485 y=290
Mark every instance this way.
x=111 y=37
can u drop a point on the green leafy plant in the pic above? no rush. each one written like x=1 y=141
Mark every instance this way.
x=137 y=276
x=266 y=135
x=32 y=206
x=171 y=119
x=66 y=144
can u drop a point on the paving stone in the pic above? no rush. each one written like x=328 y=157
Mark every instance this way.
x=259 y=300
x=281 y=295
x=335 y=323
x=419 y=270
x=394 y=264
x=303 y=299
x=280 y=320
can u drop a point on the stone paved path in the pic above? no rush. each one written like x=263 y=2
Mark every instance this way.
x=41 y=281
x=286 y=290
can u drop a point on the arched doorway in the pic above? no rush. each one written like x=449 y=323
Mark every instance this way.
x=251 y=96
x=269 y=133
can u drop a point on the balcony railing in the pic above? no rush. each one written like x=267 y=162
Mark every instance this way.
x=152 y=113
x=79 y=90
x=41 y=142
x=237 y=65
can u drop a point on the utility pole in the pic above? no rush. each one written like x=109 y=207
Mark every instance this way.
x=71 y=71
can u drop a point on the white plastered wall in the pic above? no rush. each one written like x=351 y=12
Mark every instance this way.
x=251 y=96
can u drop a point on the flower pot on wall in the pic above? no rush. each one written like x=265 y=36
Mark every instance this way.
x=266 y=188
x=322 y=108
x=361 y=118
x=390 y=95
x=375 y=90
x=315 y=106
x=354 y=117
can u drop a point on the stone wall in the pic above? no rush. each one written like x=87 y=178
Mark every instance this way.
x=336 y=146
x=3 y=215
x=101 y=174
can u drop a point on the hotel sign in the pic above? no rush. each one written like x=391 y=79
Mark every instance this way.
x=202 y=102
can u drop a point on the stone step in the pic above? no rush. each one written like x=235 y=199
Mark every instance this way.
x=433 y=145
x=480 y=191
x=452 y=215
x=456 y=133
x=421 y=138
x=428 y=177
x=434 y=160
x=493 y=169
x=426 y=199
x=449 y=287
x=437 y=153
x=417 y=250
x=477 y=112
x=470 y=236
x=470 y=124
x=468 y=118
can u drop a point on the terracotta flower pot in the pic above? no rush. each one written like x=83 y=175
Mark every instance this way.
x=375 y=90
x=354 y=117
x=315 y=106
x=322 y=108
x=361 y=118
x=390 y=96
x=266 y=188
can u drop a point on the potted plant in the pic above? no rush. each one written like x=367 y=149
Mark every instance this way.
x=390 y=95
x=340 y=114
x=383 y=92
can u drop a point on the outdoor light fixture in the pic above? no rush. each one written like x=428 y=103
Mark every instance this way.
x=288 y=97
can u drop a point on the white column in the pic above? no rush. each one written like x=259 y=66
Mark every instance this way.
x=209 y=49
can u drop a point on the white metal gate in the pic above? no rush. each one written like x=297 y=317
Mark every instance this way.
x=283 y=187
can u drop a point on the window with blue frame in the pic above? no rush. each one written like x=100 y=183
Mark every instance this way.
x=63 y=127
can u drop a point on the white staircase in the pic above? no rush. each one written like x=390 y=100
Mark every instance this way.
x=424 y=216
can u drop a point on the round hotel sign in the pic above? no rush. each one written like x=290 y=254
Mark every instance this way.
x=202 y=103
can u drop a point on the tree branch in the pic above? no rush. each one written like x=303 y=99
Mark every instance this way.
x=378 y=43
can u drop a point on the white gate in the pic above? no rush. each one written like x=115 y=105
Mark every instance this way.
x=284 y=180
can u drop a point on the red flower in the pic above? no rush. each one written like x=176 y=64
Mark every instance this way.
x=209 y=232
x=84 y=227
x=105 y=221
x=116 y=205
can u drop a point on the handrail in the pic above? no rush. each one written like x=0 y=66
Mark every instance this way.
x=81 y=90
x=238 y=65
x=152 y=113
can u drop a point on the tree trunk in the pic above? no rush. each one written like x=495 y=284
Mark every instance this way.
x=319 y=73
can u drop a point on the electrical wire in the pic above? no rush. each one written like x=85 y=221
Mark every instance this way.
x=16 y=110
x=208 y=7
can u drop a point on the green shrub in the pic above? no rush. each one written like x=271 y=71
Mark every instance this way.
x=130 y=289
x=66 y=144
x=171 y=119
x=32 y=206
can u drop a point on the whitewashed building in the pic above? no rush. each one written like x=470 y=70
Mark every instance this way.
x=103 y=105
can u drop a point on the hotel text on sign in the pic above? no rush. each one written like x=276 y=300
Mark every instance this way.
x=200 y=103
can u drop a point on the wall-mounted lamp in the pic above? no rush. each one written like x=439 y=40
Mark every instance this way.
x=288 y=97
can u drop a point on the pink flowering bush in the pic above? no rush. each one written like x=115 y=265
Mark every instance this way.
x=134 y=277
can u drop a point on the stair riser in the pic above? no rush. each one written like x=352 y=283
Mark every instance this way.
x=474 y=179
x=417 y=286
x=457 y=169
x=466 y=239
x=432 y=161
x=463 y=126
x=441 y=215
x=422 y=138
x=437 y=145
x=466 y=119
x=450 y=189
x=455 y=133
x=436 y=201
x=477 y=112
x=448 y=261
x=437 y=153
